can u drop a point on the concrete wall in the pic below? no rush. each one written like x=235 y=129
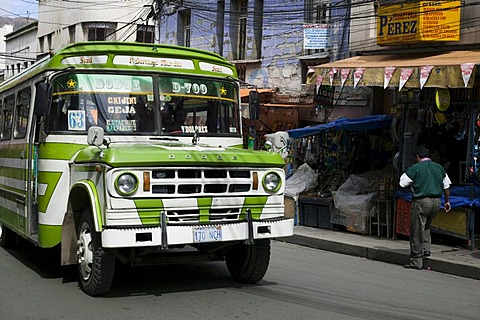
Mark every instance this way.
x=273 y=44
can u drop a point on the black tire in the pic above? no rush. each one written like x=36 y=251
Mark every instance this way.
x=249 y=263
x=96 y=265
x=8 y=238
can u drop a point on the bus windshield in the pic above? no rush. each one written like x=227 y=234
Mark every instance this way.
x=128 y=104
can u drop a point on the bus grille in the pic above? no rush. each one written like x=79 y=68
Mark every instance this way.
x=193 y=216
x=200 y=181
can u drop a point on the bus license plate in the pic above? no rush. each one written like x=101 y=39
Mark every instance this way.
x=207 y=234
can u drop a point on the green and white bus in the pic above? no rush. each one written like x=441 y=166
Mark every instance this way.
x=133 y=153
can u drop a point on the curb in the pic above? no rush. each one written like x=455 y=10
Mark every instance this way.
x=456 y=269
x=385 y=255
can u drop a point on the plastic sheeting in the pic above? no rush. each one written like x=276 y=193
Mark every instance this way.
x=304 y=178
x=353 y=198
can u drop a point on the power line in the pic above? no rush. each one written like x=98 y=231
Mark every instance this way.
x=276 y=19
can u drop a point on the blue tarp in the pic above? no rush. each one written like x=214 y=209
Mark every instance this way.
x=460 y=196
x=358 y=124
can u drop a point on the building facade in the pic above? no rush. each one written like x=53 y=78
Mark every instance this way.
x=21 y=44
x=366 y=30
x=264 y=38
x=6 y=29
x=65 y=22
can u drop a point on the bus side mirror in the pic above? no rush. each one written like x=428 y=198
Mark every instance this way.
x=95 y=136
x=42 y=99
x=254 y=105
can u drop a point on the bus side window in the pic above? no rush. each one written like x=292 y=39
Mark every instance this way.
x=9 y=103
x=21 y=113
x=58 y=115
x=1 y=117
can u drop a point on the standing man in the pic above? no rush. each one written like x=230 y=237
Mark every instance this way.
x=428 y=181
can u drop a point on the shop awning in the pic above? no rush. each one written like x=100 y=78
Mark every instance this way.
x=245 y=92
x=358 y=124
x=454 y=69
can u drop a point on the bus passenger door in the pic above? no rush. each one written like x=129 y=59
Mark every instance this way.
x=13 y=178
x=21 y=144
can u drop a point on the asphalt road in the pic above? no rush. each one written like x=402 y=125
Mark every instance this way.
x=302 y=283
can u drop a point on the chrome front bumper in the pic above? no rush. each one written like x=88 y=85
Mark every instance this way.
x=184 y=234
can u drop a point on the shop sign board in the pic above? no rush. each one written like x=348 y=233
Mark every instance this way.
x=324 y=97
x=420 y=21
x=315 y=36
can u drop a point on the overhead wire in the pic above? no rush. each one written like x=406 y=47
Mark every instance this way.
x=277 y=21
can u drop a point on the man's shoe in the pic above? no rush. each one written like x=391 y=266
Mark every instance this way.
x=426 y=254
x=409 y=266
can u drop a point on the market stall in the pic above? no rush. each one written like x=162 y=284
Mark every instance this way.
x=436 y=101
x=340 y=151
x=459 y=222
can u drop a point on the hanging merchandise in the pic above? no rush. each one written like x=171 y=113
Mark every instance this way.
x=309 y=156
x=429 y=118
x=442 y=99
x=440 y=118
x=463 y=127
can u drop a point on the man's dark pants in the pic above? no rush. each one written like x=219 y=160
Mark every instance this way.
x=423 y=212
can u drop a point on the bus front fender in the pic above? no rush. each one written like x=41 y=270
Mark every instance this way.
x=89 y=196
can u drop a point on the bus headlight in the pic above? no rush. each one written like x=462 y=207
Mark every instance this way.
x=126 y=183
x=272 y=181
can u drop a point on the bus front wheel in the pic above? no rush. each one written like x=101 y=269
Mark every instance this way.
x=248 y=263
x=96 y=265
x=8 y=238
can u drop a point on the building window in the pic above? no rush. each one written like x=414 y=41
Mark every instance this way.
x=41 y=44
x=317 y=11
x=71 y=33
x=184 y=28
x=241 y=71
x=321 y=13
x=145 y=34
x=49 y=41
x=242 y=29
x=100 y=31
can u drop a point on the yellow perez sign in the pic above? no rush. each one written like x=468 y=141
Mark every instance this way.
x=418 y=21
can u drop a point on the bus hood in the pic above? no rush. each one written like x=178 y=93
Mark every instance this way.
x=176 y=154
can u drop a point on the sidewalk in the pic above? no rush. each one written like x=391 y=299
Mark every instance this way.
x=447 y=259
